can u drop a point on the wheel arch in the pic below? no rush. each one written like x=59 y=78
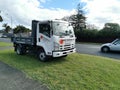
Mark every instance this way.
x=16 y=45
x=39 y=48
x=105 y=47
x=40 y=54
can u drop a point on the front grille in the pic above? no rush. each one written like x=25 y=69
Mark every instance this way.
x=66 y=47
x=68 y=41
x=68 y=44
x=63 y=50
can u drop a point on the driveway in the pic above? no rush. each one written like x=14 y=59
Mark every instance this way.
x=95 y=50
x=13 y=79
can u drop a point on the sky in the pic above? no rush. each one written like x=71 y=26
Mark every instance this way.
x=22 y=12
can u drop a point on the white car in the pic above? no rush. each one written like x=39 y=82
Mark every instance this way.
x=113 y=46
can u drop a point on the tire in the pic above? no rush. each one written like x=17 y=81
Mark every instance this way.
x=105 y=49
x=19 y=50
x=42 y=56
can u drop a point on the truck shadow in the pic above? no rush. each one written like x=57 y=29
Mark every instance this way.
x=58 y=59
x=50 y=59
x=29 y=61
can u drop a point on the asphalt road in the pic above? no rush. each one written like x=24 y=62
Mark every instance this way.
x=13 y=79
x=5 y=40
x=95 y=50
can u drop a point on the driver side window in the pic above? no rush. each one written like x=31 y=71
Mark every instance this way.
x=44 y=29
x=117 y=42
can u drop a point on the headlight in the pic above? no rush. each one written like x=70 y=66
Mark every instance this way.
x=56 y=46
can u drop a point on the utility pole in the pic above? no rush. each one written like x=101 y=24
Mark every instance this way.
x=11 y=21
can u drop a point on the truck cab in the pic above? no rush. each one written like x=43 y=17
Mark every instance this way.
x=51 y=38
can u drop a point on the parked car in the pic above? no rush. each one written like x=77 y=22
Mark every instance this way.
x=4 y=36
x=113 y=46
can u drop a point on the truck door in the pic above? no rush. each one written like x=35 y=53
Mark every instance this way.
x=44 y=37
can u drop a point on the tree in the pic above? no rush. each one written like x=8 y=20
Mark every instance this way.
x=1 y=19
x=80 y=21
x=77 y=20
x=7 y=27
x=111 y=26
x=109 y=32
x=20 y=29
x=91 y=26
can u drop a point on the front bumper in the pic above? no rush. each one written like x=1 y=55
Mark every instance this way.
x=63 y=53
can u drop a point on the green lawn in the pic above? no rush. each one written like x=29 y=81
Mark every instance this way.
x=75 y=72
x=2 y=44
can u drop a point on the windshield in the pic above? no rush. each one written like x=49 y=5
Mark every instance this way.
x=117 y=41
x=62 y=29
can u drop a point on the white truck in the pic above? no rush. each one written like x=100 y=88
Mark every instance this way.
x=51 y=38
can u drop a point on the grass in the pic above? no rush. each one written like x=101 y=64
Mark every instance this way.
x=75 y=72
x=3 y=44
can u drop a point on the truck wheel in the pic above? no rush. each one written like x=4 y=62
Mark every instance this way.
x=42 y=56
x=19 y=50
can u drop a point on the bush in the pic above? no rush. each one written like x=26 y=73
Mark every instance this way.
x=21 y=29
x=97 y=36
